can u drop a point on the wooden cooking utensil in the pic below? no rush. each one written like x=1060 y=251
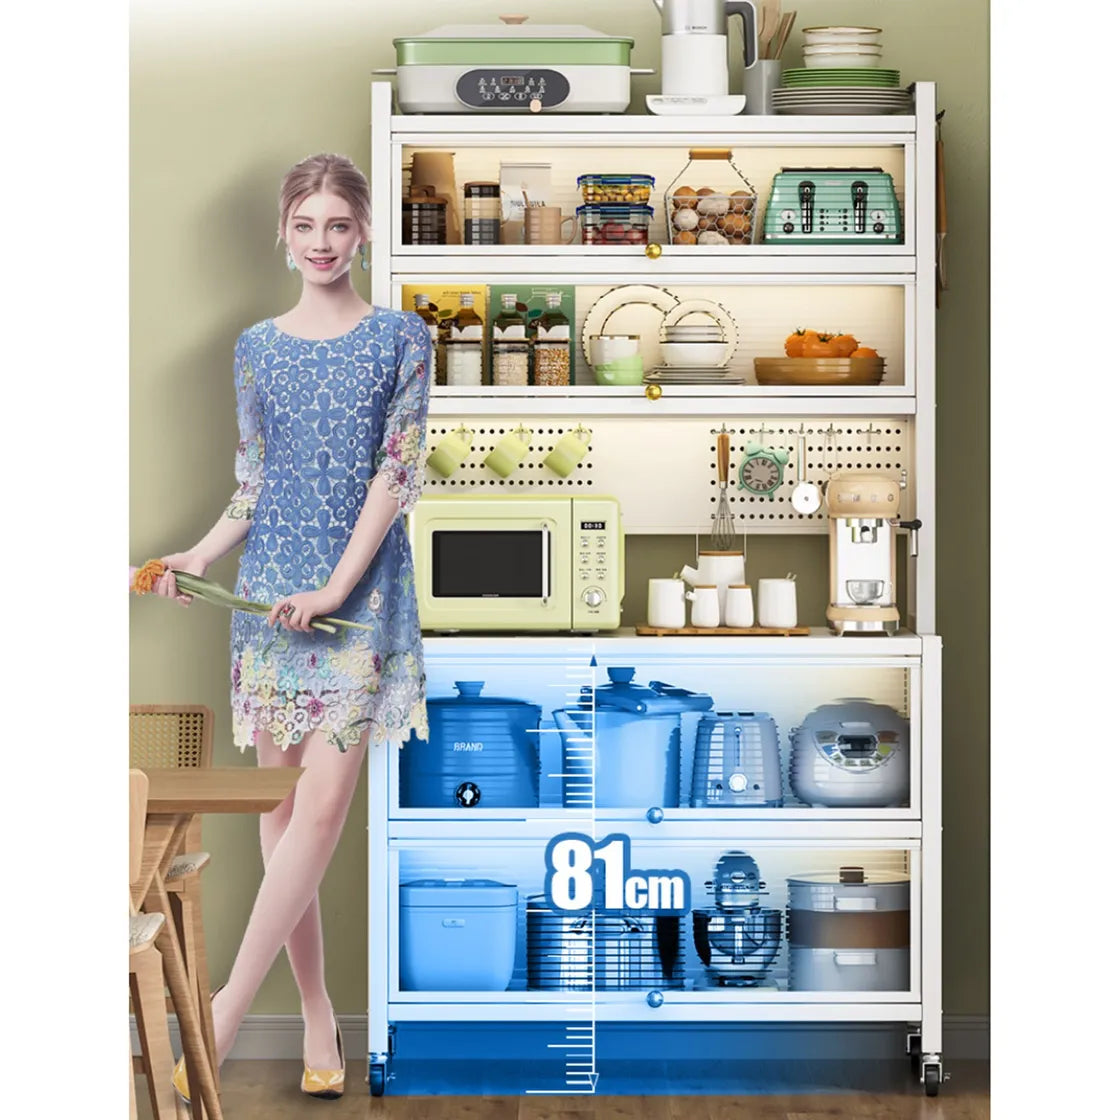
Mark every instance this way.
x=784 y=29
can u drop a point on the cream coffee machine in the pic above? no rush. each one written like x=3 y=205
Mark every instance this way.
x=863 y=513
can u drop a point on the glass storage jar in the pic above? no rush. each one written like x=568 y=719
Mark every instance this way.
x=552 y=345
x=711 y=202
x=424 y=219
x=482 y=213
x=464 y=361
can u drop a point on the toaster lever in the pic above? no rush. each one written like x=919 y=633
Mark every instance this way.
x=859 y=204
x=805 y=191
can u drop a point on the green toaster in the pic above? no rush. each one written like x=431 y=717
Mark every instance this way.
x=832 y=206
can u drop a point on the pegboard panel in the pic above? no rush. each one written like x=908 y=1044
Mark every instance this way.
x=759 y=164
x=665 y=475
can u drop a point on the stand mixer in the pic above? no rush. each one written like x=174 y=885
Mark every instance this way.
x=738 y=940
x=863 y=513
x=694 y=56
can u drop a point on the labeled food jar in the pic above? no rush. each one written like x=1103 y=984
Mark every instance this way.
x=552 y=344
x=598 y=189
x=711 y=202
x=614 y=224
x=482 y=213
x=510 y=361
x=424 y=220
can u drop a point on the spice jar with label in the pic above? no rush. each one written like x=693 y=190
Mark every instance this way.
x=552 y=345
x=424 y=310
x=482 y=213
x=510 y=354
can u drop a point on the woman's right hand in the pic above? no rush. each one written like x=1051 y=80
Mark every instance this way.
x=182 y=562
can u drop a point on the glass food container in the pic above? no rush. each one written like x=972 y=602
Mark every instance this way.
x=711 y=202
x=482 y=213
x=510 y=354
x=599 y=189
x=552 y=345
x=614 y=224
x=424 y=219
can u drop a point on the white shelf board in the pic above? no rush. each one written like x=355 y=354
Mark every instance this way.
x=470 y=826
x=573 y=264
x=604 y=128
x=820 y=643
x=675 y=400
x=679 y=1006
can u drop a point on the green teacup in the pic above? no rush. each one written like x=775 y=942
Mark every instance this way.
x=509 y=451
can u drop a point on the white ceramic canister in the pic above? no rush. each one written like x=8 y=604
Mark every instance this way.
x=718 y=568
x=738 y=606
x=705 y=606
x=665 y=604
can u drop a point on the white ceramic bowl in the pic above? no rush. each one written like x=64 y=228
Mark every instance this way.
x=854 y=48
x=693 y=353
x=818 y=35
x=842 y=61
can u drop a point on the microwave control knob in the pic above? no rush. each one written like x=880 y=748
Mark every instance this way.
x=593 y=597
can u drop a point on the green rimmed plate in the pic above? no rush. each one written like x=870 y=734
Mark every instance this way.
x=849 y=74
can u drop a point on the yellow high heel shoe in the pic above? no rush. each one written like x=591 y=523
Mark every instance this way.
x=326 y=1084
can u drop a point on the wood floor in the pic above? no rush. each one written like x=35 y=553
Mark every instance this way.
x=252 y=1089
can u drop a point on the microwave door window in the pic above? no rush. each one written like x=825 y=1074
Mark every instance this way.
x=490 y=564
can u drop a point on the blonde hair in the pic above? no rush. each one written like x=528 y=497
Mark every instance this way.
x=325 y=172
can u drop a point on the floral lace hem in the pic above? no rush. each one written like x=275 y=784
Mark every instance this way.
x=402 y=710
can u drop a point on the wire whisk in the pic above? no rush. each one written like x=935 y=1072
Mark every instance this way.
x=723 y=526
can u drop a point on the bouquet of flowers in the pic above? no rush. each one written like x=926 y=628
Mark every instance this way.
x=142 y=580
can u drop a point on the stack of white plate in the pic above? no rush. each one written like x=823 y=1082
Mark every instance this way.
x=693 y=375
x=842 y=46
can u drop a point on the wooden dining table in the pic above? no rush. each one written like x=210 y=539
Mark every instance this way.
x=175 y=798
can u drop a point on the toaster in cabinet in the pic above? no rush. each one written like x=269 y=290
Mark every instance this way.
x=833 y=206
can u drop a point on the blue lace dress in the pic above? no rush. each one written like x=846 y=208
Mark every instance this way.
x=318 y=420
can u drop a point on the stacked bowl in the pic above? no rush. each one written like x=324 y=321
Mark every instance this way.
x=693 y=345
x=842 y=47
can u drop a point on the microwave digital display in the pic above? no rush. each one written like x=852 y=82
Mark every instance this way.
x=486 y=564
x=600 y=525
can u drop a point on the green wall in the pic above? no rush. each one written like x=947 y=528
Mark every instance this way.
x=222 y=103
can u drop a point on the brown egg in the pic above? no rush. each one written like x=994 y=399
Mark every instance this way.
x=734 y=224
x=706 y=223
x=741 y=201
x=684 y=196
x=684 y=237
x=705 y=190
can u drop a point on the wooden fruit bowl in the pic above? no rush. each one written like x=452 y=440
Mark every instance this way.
x=819 y=371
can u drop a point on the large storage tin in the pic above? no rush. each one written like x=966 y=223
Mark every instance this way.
x=457 y=935
x=849 y=930
x=481 y=752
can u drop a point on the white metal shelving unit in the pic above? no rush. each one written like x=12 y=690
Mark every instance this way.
x=410 y=842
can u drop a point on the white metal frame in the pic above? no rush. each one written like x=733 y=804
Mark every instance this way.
x=912 y=264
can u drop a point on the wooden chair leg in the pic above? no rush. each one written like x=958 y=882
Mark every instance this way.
x=193 y=899
x=151 y=1022
x=131 y=1087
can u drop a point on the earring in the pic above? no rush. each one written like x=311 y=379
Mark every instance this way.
x=291 y=262
x=365 y=259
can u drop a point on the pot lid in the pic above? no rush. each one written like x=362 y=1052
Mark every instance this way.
x=849 y=877
x=657 y=700
x=525 y=32
x=443 y=893
x=470 y=693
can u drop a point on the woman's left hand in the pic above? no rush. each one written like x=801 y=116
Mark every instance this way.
x=296 y=612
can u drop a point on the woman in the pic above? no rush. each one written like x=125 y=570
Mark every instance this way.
x=332 y=400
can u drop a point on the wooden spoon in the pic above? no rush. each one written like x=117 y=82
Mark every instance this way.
x=784 y=28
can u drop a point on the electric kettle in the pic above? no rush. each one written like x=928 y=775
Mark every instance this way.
x=694 y=55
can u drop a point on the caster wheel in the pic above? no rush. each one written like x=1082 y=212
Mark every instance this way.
x=377 y=1081
x=931 y=1079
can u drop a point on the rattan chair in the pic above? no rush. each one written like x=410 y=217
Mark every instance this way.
x=145 y=972
x=180 y=736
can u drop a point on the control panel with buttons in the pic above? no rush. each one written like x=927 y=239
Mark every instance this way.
x=525 y=90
